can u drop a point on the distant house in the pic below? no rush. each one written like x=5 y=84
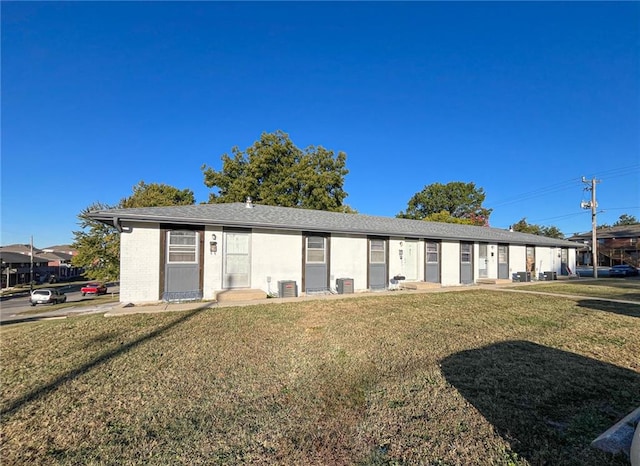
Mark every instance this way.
x=48 y=265
x=202 y=250
x=16 y=268
x=616 y=245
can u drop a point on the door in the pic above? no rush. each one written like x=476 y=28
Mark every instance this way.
x=531 y=260
x=410 y=260
x=503 y=261
x=237 y=260
x=564 y=262
x=377 y=276
x=483 y=260
x=182 y=267
x=466 y=263
x=432 y=258
x=316 y=277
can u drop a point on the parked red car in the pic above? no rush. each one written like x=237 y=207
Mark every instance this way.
x=96 y=288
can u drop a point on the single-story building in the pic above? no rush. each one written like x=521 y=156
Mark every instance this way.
x=198 y=251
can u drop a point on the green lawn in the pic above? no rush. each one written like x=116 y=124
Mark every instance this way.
x=458 y=378
x=610 y=288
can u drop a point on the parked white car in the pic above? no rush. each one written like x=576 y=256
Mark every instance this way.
x=47 y=296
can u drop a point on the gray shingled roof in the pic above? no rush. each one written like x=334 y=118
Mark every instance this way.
x=620 y=231
x=287 y=218
x=10 y=257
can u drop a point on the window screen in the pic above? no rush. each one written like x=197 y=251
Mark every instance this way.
x=315 y=249
x=465 y=253
x=377 y=251
x=183 y=246
x=432 y=252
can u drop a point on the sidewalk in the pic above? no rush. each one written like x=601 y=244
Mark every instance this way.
x=123 y=309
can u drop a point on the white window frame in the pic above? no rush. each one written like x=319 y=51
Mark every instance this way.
x=377 y=250
x=433 y=250
x=466 y=253
x=311 y=249
x=182 y=249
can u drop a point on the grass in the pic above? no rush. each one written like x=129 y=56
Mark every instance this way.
x=472 y=377
x=609 y=288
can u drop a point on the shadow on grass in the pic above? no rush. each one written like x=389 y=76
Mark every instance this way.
x=548 y=404
x=101 y=359
x=631 y=310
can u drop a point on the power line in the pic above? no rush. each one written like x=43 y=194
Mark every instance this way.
x=566 y=185
x=558 y=187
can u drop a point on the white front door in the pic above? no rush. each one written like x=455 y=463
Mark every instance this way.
x=483 y=261
x=411 y=260
x=237 y=260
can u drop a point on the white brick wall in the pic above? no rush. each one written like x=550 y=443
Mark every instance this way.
x=349 y=260
x=277 y=255
x=450 y=267
x=140 y=263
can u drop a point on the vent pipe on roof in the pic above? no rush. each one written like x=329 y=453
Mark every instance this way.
x=249 y=204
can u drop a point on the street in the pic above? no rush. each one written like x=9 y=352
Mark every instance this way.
x=11 y=307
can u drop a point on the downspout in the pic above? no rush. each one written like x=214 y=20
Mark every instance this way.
x=116 y=223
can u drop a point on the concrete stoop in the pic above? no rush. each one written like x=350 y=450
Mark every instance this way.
x=419 y=285
x=493 y=281
x=228 y=296
x=619 y=438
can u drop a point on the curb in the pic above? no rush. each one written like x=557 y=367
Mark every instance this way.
x=619 y=437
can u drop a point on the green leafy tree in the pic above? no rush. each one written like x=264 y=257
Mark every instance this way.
x=552 y=232
x=626 y=219
x=523 y=227
x=460 y=200
x=157 y=195
x=274 y=171
x=446 y=217
x=98 y=244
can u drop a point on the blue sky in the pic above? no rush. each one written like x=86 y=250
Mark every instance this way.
x=523 y=99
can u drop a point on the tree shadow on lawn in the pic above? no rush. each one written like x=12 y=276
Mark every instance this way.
x=547 y=403
x=625 y=309
x=100 y=359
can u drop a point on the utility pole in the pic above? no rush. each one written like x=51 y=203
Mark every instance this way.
x=593 y=205
x=31 y=269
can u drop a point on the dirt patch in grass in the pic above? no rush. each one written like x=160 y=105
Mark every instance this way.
x=473 y=377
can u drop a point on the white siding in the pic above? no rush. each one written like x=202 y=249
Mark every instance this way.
x=395 y=264
x=349 y=260
x=450 y=263
x=275 y=254
x=517 y=259
x=572 y=260
x=212 y=262
x=140 y=263
x=547 y=260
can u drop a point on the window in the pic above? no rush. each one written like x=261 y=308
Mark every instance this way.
x=237 y=259
x=531 y=258
x=183 y=247
x=315 y=249
x=432 y=252
x=465 y=253
x=503 y=254
x=377 y=251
